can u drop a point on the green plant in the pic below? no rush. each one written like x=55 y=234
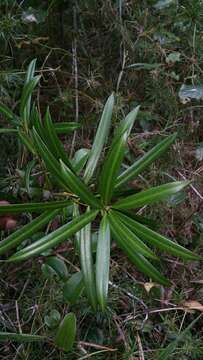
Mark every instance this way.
x=96 y=193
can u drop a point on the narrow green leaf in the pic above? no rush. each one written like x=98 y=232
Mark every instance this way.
x=115 y=156
x=130 y=237
x=103 y=262
x=55 y=238
x=58 y=266
x=8 y=114
x=26 y=141
x=80 y=159
x=8 y=131
x=50 y=161
x=21 y=338
x=28 y=171
x=66 y=333
x=66 y=127
x=78 y=187
x=26 y=100
x=73 y=288
x=33 y=207
x=53 y=141
x=100 y=139
x=30 y=71
x=87 y=265
x=150 y=196
x=139 y=260
x=145 y=161
x=157 y=240
x=26 y=231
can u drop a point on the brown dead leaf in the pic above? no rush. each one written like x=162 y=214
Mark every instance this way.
x=193 y=305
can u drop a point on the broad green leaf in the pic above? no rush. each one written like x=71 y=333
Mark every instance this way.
x=103 y=262
x=21 y=338
x=166 y=353
x=78 y=187
x=52 y=320
x=150 y=196
x=53 y=141
x=100 y=139
x=66 y=333
x=26 y=231
x=80 y=159
x=26 y=141
x=33 y=207
x=73 y=288
x=58 y=266
x=115 y=156
x=157 y=240
x=144 y=161
x=55 y=238
x=50 y=161
x=87 y=267
x=131 y=239
x=66 y=127
x=137 y=259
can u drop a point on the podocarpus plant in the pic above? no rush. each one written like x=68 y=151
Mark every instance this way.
x=96 y=192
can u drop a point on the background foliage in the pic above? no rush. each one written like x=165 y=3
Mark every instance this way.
x=145 y=51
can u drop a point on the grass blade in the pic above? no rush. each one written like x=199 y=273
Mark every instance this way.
x=87 y=267
x=150 y=196
x=25 y=99
x=26 y=231
x=157 y=240
x=55 y=238
x=78 y=187
x=100 y=139
x=103 y=262
x=144 y=161
x=8 y=114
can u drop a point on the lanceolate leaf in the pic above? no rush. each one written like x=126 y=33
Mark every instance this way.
x=129 y=237
x=139 y=260
x=25 y=100
x=33 y=207
x=26 y=231
x=73 y=287
x=8 y=114
x=78 y=187
x=144 y=161
x=87 y=265
x=80 y=159
x=55 y=238
x=103 y=262
x=150 y=196
x=30 y=71
x=100 y=139
x=66 y=333
x=50 y=161
x=26 y=140
x=66 y=127
x=115 y=156
x=157 y=240
x=53 y=140
x=20 y=338
x=59 y=266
